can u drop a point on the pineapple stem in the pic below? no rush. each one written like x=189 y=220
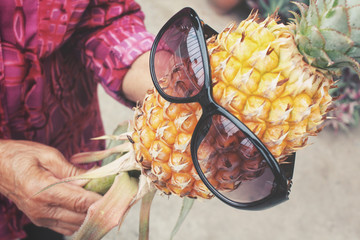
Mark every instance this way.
x=102 y=185
x=145 y=215
x=112 y=207
x=121 y=129
x=87 y=157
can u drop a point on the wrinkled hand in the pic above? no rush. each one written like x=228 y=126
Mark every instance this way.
x=26 y=168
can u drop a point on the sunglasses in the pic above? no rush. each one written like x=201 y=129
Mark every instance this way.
x=229 y=158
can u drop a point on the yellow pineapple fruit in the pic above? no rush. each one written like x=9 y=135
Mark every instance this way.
x=162 y=145
x=260 y=76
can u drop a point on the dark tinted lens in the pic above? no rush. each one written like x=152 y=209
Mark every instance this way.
x=232 y=164
x=178 y=63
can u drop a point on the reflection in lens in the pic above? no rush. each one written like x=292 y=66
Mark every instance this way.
x=178 y=63
x=238 y=171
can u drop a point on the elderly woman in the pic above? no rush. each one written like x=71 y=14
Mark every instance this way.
x=53 y=54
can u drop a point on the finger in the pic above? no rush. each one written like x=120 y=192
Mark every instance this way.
x=63 y=231
x=67 y=216
x=59 y=227
x=71 y=228
x=68 y=170
x=56 y=163
x=62 y=219
x=72 y=197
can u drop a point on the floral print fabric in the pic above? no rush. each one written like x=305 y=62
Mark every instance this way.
x=53 y=54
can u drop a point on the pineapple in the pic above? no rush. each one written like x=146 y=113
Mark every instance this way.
x=275 y=78
x=162 y=145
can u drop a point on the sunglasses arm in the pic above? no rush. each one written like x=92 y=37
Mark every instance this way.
x=208 y=31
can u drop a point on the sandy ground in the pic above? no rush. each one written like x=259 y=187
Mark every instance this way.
x=324 y=203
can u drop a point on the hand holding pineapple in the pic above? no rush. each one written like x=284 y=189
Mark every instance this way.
x=29 y=166
x=24 y=167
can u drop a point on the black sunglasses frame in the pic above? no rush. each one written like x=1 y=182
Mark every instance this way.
x=283 y=183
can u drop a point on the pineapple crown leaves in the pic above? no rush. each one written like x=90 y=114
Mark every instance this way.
x=282 y=7
x=328 y=33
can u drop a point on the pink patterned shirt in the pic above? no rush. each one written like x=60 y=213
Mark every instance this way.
x=53 y=54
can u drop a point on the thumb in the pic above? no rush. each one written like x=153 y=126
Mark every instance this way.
x=69 y=170
x=77 y=172
x=60 y=167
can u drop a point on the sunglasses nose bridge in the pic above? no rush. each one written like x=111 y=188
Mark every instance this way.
x=206 y=101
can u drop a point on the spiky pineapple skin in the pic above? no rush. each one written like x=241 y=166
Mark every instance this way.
x=260 y=77
x=162 y=145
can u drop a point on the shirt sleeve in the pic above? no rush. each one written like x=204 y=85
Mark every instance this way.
x=119 y=38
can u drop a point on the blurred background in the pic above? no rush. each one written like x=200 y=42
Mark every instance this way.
x=325 y=197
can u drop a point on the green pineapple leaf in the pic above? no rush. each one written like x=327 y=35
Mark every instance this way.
x=185 y=209
x=121 y=128
x=144 y=224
